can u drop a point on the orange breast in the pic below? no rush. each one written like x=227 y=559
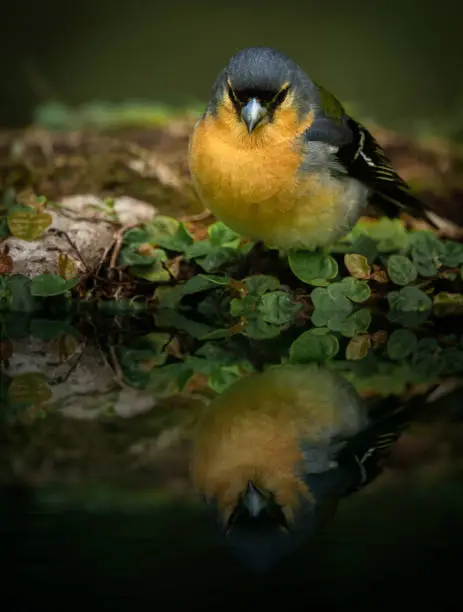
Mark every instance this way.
x=252 y=182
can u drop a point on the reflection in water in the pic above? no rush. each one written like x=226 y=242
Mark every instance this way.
x=277 y=451
x=101 y=470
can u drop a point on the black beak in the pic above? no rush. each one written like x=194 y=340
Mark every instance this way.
x=252 y=114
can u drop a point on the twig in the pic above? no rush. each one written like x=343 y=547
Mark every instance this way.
x=115 y=366
x=199 y=217
x=63 y=234
x=62 y=379
x=118 y=238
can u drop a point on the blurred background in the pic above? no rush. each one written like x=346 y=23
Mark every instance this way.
x=394 y=62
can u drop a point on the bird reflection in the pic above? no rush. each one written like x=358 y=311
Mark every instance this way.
x=277 y=451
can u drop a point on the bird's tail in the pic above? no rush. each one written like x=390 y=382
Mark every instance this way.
x=408 y=203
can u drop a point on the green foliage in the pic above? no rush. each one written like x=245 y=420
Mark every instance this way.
x=46 y=285
x=401 y=270
x=313 y=268
x=401 y=344
x=426 y=252
x=138 y=359
x=410 y=306
x=15 y=294
x=258 y=284
x=335 y=307
x=317 y=344
x=54 y=115
x=388 y=234
x=170 y=297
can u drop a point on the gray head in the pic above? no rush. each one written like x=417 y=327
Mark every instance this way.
x=258 y=533
x=259 y=80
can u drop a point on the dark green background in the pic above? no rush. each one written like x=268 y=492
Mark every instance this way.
x=393 y=60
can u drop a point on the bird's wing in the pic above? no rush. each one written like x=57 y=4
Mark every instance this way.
x=389 y=419
x=360 y=156
x=359 y=460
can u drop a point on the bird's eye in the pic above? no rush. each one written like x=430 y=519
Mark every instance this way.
x=281 y=96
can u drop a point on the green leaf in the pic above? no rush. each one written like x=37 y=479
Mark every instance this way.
x=452 y=255
x=4 y=229
x=277 y=307
x=46 y=285
x=216 y=353
x=356 y=323
x=122 y=307
x=28 y=224
x=196 y=284
x=409 y=299
x=401 y=270
x=258 y=329
x=168 y=380
x=201 y=248
x=329 y=306
x=180 y=241
x=165 y=232
x=389 y=234
x=356 y=290
x=401 y=344
x=217 y=258
x=130 y=256
x=137 y=363
x=313 y=268
x=365 y=246
x=50 y=329
x=314 y=345
x=426 y=251
x=220 y=234
x=16 y=296
x=427 y=361
x=245 y=306
x=155 y=271
x=199 y=365
x=217 y=334
x=453 y=361
x=167 y=318
x=137 y=235
x=215 y=279
x=221 y=378
x=258 y=284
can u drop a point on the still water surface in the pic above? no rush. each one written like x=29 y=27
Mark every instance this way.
x=106 y=466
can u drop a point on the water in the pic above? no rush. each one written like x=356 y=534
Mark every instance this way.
x=99 y=471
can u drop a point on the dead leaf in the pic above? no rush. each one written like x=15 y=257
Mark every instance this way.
x=67 y=266
x=6 y=264
x=379 y=275
x=28 y=225
x=378 y=338
x=6 y=349
x=358 y=347
x=29 y=388
x=357 y=265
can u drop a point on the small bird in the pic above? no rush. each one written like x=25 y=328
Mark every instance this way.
x=274 y=454
x=278 y=160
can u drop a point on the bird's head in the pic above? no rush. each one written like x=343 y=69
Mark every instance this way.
x=260 y=531
x=261 y=86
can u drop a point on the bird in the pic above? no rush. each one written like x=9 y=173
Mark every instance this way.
x=277 y=159
x=275 y=453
